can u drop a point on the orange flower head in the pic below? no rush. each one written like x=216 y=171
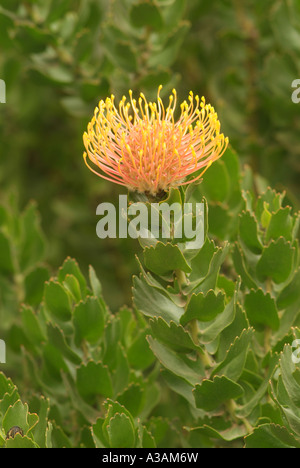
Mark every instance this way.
x=141 y=146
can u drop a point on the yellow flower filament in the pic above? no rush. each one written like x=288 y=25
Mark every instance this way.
x=141 y=146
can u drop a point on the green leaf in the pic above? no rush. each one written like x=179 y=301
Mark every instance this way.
x=54 y=361
x=179 y=385
x=119 y=50
x=266 y=216
x=32 y=246
x=281 y=225
x=113 y=408
x=180 y=365
x=34 y=285
x=71 y=267
x=95 y=283
x=139 y=354
x=92 y=380
x=261 y=309
x=154 y=79
x=228 y=335
x=152 y=303
x=270 y=200
x=112 y=335
x=20 y=442
x=40 y=429
x=121 y=370
x=201 y=263
x=146 y=439
x=6 y=24
x=216 y=183
x=6 y=258
x=89 y=320
x=168 y=51
x=6 y=385
x=18 y=415
x=287 y=38
x=72 y=286
x=228 y=435
x=75 y=106
x=203 y=307
x=170 y=291
x=57 y=300
x=290 y=375
x=163 y=432
x=146 y=14
x=290 y=412
x=32 y=326
x=248 y=231
x=132 y=398
x=290 y=294
x=226 y=284
x=173 y=335
x=209 y=282
x=121 y=432
x=53 y=73
x=57 y=339
x=57 y=10
x=173 y=13
x=276 y=261
x=33 y=40
x=86 y=438
x=220 y=220
x=9 y=399
x=210 y=394
x=252 y=403
x=210 y=330
x=233 y=364
x=86 y=411
x=164 y=258
x=232 y=163
x=241 y=267
x=271 y=436
x=99 y=437
x=59 y=438
x=152 y=397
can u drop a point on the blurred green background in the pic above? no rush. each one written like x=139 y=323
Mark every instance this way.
x=59 y=57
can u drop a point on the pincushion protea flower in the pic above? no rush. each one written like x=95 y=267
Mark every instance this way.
x=141 y=146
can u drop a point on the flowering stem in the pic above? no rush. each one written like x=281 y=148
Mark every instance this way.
x=204 y=356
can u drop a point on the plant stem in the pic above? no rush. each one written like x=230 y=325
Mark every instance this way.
x=19 y=286
x=267 y=340
x=181 y=278
x=194 y=330
x=268 y=331
x=231 y=407
x=204 y=356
